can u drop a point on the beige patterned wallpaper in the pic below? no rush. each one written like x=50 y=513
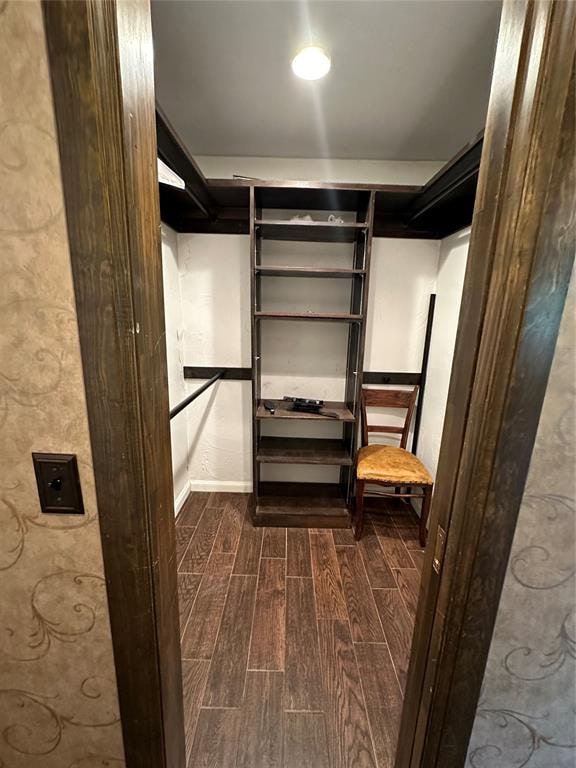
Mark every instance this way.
x=58 y=699
x=527 y=711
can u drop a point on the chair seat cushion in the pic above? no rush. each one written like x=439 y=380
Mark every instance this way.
x=388 y=464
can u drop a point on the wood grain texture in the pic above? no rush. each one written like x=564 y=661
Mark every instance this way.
x=220 y=563
x=216 y=739
x=249 y=548
x=183 y=535
x=521 y=253
x=199 y=637
x=379 y=573
x=330 y=603
x=408 y=580
x=262 y=729
x=298 y=553
x=202 y=541
x=393 y=547
x=344 y=537
x=398 y=627
x=105 y=121
x=383 y=698
x=268 y=627
x=225 y=685
x=192 y=509
x=194 y=674
x=362 y=613
x=188 y=584
x=349 y=742
x=228 y=535
x=305 y=742
x=417 y=556
x=303 y=682
x=274 y=543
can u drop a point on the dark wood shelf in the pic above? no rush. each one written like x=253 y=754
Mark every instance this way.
x=329 y=316
x=311 y=231
x=283 y=412
x=282 y=271
x=315 y=505
x=302 y=450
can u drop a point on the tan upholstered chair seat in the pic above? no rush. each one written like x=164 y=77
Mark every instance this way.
x=388 y=464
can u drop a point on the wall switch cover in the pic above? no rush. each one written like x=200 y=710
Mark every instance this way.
x=58 y=483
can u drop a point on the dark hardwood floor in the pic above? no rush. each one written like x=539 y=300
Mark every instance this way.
x=295 y=642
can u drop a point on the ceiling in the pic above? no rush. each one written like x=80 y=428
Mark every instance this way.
x=409 y=81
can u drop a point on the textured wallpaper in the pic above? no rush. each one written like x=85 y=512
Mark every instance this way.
x=527 y=710
x=58 y=699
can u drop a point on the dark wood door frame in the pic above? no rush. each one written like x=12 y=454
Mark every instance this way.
x=520 y=257
x=101 y=67
x=519 y=264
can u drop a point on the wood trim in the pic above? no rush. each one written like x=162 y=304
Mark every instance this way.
x=104 y=108
x=172 y=151
x=206 y=372
x=520 y=259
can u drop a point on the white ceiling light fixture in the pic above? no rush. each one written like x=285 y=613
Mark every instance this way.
x=311 y=63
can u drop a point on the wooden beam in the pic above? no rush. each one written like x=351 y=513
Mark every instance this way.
x=173 y=152
x=104 y=108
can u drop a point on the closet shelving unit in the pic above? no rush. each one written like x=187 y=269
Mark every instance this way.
x=300 y=503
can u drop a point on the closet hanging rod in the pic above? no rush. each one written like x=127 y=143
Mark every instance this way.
x=180 y=407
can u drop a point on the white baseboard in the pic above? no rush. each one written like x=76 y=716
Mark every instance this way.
x=226 y=486
x=181 y=498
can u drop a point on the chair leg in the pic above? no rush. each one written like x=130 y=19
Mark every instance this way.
x=424 y=514
x=359 y=521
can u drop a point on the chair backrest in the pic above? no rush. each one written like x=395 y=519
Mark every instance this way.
x=388 y=398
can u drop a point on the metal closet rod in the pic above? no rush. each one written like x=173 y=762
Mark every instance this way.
x=180 y=407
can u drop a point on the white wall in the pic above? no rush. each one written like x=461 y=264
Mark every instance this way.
x=215 y=290
x=175 y=359
x=347 y=171
x=207 y=297
x=215 y=286
x=450 y=280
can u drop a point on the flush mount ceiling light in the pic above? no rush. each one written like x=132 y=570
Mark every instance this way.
x=311 y=63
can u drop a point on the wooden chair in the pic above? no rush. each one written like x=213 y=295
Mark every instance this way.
x=388 y=465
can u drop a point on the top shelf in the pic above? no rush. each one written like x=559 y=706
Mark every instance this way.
x=312 y=231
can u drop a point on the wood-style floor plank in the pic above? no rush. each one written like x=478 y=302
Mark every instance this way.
x=330 y=603
x=192 y=509
x=394 y=549
x=380 y=575
x=194 y=674
x=230 y=528
x=406 y=524
x=298 y=545
x=305 y=743
x=274 y=544
x=383 y=699
x=249 y=548
x=183 y=535
x=220 y=563
x=417 y=556
x=364 y=619
x=268 y=630
x=225 y=685
x=302 y=680
x=343 y=537
x=199 y=637
x=198 y=552
x=261 y=732
x=408 y=580
x=215 y=742
x=349 y=741
x=188 y=584
x=398 y=628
